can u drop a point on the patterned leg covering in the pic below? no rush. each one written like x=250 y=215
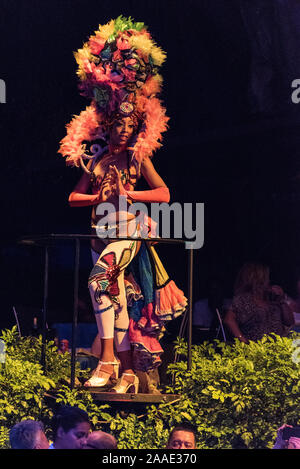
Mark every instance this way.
x=104 y=314
x=122 y=319
x=106 y=285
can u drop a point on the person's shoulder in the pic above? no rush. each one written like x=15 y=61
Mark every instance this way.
x=243 y=296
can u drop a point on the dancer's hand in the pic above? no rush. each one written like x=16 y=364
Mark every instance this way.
x=120 y=190
x=106 y=189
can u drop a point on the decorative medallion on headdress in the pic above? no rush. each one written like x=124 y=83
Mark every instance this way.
x=118 y=72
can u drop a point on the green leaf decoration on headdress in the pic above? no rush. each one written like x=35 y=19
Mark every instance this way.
x=124 y=24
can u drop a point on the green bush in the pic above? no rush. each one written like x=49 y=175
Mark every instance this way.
x=236 y=395
x=29 y=348
x=98 y=415
x=27 y=392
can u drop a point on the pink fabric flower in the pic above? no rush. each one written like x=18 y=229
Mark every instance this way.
x=96 y=45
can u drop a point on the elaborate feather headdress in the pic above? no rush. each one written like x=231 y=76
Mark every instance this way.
x=118 y=71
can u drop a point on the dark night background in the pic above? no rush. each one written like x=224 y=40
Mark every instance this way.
x=233 y=141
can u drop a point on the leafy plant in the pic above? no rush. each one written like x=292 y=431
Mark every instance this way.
x=24 y=385
x=4 y=438
x=58 y=366
x=80 y=398
x=236 y=395
x=22 y=389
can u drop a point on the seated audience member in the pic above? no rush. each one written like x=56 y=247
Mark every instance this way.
x=292 y=443
x=28 y=434
x=182 y=437
x=257 y=307
x=101 y=440
x=70 y=427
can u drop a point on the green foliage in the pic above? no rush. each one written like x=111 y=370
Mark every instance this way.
x=25 y=389
x=4 y=438
x=149 y=431
x=23 y=383
x=58 y=366
x=22 y=387
x=235 y=395
x=238 y=393
x=80 y=398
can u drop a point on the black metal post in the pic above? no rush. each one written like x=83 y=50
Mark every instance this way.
x=75 y=311
x=190 y=306
x=45 y=304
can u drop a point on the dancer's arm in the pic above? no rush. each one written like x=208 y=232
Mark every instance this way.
x=159 y=192
x=80 y=198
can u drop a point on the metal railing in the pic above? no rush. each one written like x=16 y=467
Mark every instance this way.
x=46 y=241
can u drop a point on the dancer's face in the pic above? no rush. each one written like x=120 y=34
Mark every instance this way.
x=121 y=131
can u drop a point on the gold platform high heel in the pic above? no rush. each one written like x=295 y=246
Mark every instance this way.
x=124 y=386
x=101 y=378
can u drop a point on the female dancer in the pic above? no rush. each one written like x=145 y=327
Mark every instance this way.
x=125 y=113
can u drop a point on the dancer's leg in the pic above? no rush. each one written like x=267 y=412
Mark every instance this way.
x=122 y=342
x=107 y=278
x=104 y=313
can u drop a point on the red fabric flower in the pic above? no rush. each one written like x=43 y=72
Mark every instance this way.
x=117 y=56
x=122 y=44
x=129 y=74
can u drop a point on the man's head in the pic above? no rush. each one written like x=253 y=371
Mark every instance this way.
x=70 y=427
x=28 y=434
x=182 y=437
x=101 y=440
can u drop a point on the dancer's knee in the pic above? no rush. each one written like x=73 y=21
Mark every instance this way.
x=98 y=284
